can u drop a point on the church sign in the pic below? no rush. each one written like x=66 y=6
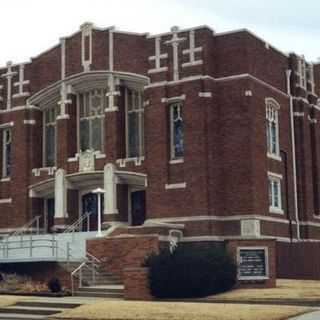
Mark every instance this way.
x=253 y=263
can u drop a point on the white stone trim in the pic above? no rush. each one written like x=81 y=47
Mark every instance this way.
x=49 y=170
x=29 y=121
x=176 y=161
x=63 y=57
x=63 y=117
x=174 y=42
x=123 y=162
x=6 y=125
x=21 y=83
x=9 y=75
x=275 y=175
x=7 y=179
x=146 y=103
x=158 y=57
x=86 y=31
x=173 y=99
x=158 y=70
x=221 y=218
x=274 y=156
x=192 y=64
x=298 y=114
x=182 y=31
x=19 y=108
x=182 y=185
x=228 y=78
x=5 y=200
x=205 y=94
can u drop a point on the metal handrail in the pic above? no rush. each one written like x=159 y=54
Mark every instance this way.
x=74 y=227
x=92 y=263
x=27 y=226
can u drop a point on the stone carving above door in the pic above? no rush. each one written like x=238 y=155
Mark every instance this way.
x=86 y=161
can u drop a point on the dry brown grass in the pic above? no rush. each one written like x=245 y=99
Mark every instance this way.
x=129 y=310
x=9 y=300
x=286 y=289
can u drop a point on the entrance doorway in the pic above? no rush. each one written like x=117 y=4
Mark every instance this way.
x=89 y=203
x=49 y=218
x=138 y=207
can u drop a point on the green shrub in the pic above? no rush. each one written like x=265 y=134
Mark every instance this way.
x=190 y=272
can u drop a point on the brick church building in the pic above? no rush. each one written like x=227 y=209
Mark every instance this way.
x=215 y=134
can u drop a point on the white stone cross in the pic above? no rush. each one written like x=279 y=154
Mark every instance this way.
x=22 y=82
x=64 y=101
x=158 y=57
x=112 y=92
x=175 y=43
x=191 y=51
x=9 y=75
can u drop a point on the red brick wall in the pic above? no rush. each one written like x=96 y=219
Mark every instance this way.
x=298 y=260
x=119 y=253
x=136 y=284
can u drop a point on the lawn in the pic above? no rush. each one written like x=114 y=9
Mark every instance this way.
x=286 y=289
x=129 y=310
x=9 y=300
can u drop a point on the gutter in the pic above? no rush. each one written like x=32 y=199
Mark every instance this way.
x=294 y=165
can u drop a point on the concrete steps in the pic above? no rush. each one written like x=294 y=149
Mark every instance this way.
x=101 y=291
x=37 y=309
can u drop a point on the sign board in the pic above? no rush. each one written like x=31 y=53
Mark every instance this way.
x=253 y=263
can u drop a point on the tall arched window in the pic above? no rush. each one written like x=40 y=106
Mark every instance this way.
x=91 y=106
x=134 y=124
x=49 y=136
x=176 y=131
x=272 y=118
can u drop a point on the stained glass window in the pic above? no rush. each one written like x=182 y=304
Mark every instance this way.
x=91 y=106
x=176 y=134
x=134 y=123
x=272 y=118
x=49 y=136
x=6 y=152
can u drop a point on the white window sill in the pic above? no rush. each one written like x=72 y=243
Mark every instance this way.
x=7 y=179
x=274 y=156
x=182 y=185
x=175 y=161
x=276 y=210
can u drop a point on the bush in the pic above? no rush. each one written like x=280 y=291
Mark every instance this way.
x=54 y=285
x=190 y=272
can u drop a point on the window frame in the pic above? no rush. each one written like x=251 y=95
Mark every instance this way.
x=4 y=174
x=302 y=71
x=173 y=157
x=272 y=116
x=44 y=144
x=141 y=122
x=90 y=118
x=275 y=178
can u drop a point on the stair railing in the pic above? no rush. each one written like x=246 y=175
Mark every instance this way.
x=92 y=264
x=28 y=228
x=76 y=226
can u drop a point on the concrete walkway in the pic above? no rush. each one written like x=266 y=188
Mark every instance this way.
x=308 y=316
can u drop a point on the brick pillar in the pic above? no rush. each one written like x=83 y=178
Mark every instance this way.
x=304 y=163
x=66 y=134
x=114 y=124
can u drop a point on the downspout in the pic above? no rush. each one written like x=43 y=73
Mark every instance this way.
x=294 y=165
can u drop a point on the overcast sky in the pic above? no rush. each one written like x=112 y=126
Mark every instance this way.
x=28 y=27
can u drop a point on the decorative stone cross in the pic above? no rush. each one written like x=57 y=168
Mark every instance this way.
x=175 y=44
x=192 y=50
x=112 y=93
x=64 y=101
x=158 y=57
x=9 y=75
x=22 y=82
